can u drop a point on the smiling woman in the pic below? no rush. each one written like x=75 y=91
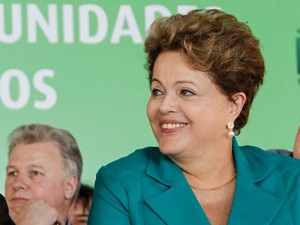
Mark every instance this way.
x=204 y=70
x=191 y=109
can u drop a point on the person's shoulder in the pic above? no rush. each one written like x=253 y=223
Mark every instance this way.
x=283 y=162
x=3 y=205
x=284 y=169
x=134 y=159
x=135 y=162
x=281 y=152
x=4 y=216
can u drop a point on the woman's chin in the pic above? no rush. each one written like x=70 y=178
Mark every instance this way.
x=169 y=149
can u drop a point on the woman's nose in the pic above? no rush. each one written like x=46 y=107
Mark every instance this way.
x=168 y=104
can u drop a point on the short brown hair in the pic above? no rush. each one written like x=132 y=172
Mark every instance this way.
x=216 y=43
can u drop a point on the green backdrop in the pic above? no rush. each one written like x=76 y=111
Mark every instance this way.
x=79 y=65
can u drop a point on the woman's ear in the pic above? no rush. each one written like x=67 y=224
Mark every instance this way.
x=71 y=183
x=237 y=102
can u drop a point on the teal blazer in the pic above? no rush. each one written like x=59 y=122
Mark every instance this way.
x=146 y=188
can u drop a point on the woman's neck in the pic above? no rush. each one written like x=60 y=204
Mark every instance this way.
x=212 y=167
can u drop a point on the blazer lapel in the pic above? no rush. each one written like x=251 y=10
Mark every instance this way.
x=254 y=205
x=259 y=196
x=173 y=200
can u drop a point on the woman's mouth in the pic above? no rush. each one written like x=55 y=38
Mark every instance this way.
x=172 y=125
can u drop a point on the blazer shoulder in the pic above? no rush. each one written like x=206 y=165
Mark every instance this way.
x=134 y=163
x=283 y=163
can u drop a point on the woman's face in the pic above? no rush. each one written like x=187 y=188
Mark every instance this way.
x=186 y=110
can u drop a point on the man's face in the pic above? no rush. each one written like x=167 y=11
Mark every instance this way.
x=78 y=215
x=35 y=171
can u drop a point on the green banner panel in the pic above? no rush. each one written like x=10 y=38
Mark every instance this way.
x=79 y=65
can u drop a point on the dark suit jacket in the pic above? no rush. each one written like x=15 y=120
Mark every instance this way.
x=146 y=188
x=4 y=216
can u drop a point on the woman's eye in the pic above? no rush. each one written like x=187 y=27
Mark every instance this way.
x=186 y=92
x=156 y=92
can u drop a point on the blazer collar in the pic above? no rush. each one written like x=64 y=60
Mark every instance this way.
x=250 y=164
x=260 y=193
x=176 y=204
x=256 y=198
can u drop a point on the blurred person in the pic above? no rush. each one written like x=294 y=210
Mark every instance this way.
x=296 y=149
x=80 y=208
x=205 y=69
x=43 y=174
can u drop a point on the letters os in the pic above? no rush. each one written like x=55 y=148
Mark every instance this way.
x=16 y=79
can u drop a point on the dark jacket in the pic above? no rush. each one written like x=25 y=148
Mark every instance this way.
x=4 y=216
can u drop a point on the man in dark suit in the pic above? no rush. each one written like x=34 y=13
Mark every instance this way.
x=4 y=216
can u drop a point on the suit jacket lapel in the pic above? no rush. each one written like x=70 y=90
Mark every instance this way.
x=260 y=194
x=173 y=200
